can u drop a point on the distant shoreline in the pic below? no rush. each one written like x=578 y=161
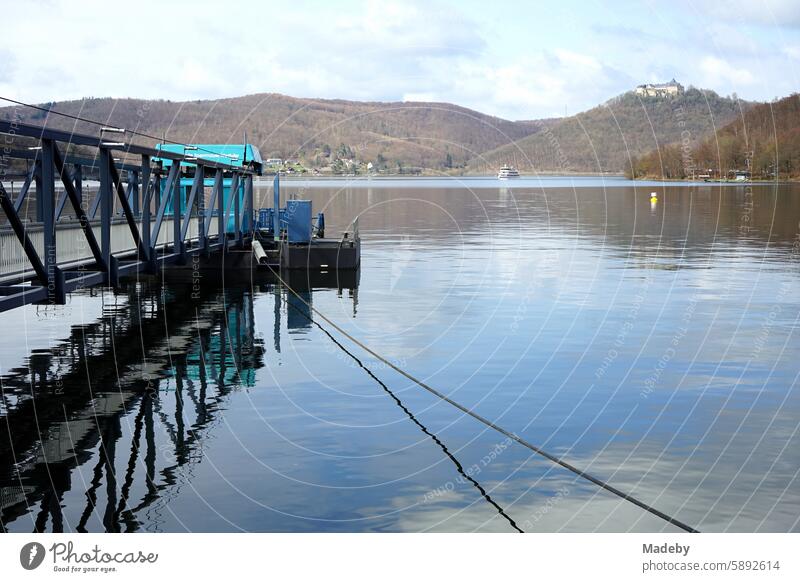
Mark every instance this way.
x=759 y=181
x=523 y=177
x=290 y=177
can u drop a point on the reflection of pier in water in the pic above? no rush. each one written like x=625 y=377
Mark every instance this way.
x=134 y=393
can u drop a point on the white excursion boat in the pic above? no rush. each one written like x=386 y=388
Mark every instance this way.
x=507 y=172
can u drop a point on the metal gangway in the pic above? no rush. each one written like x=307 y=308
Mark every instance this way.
x=151 y=207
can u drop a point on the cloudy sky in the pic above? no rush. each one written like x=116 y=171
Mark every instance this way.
x=519 y=60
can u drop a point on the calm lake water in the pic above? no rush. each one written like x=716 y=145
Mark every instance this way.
x=653 y=345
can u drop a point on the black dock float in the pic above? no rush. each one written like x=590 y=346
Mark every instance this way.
x=321 y=254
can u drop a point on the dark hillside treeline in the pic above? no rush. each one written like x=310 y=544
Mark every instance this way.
x=764 y=141
x=318 y=133
x=608 y=137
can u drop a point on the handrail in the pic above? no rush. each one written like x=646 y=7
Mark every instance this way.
x=39 y=132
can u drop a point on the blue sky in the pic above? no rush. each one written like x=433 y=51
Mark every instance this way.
x=518 y=60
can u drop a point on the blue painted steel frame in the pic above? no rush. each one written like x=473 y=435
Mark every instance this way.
x=47 y=281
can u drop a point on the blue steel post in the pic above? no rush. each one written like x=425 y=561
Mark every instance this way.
x=106 y=202
x=146 y=192
x=37 y=180
x=232 y=194
x=212 y=204
x=201 y=208
x=219 y=185
x=157 y=190
x=248 y=205
x=156 y=203
x=177 y=194
x=237 y=219
x=169 y=189
x=197 y=187
x=47 y=199
x=77 y=178
x=276 y=203
x=133 y=181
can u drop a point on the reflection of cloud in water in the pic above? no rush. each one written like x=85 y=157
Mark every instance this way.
x=688 y=488
x=736 y=494
x=583 y=508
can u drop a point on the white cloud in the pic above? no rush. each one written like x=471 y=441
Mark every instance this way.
x=420 y=97
x=421 y=49
x=432 y=50
x=719 y=71
x=764 y=12
x=544 y=83
x=730 y=40
x=408 y=29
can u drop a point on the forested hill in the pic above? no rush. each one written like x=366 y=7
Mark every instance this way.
x=345 y=136
x=765 y=141
x=607 y=137
x=393 y=136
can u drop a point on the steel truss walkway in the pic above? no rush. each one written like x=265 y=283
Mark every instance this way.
x=136 y=197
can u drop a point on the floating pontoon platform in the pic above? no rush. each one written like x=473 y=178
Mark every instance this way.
x=318 y=254
x=289 y=238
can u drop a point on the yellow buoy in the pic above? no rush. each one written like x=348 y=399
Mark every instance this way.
x=653 y=197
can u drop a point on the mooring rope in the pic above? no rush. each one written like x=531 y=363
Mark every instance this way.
x=538 y=450
x=413 y=418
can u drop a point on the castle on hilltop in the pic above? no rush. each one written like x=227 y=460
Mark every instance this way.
x=670 y=89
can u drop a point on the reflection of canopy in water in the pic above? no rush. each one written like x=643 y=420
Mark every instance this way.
x=78 y=392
